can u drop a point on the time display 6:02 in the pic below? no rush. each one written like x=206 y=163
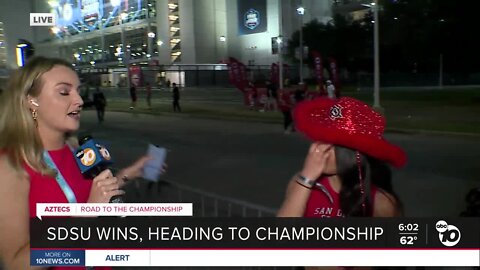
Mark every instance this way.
x=409 y=227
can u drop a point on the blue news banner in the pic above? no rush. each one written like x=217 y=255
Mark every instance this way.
x=70 y=241
x=57 y=257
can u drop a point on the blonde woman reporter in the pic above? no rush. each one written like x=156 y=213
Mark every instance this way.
x=39 y=111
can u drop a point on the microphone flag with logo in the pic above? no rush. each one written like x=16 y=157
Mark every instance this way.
x=93 y=158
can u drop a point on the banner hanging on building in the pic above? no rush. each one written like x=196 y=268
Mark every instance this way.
x=136 y=75
x=252 y=16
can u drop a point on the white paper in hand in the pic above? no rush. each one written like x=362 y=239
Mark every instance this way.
x=153 y=167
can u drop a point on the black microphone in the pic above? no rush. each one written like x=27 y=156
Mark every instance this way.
x=93 y=158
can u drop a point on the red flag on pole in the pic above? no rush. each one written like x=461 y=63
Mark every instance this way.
x=237 y=74
x=318 y=67
x=231 y=73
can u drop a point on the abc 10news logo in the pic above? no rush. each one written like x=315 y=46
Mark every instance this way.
x=449 y=235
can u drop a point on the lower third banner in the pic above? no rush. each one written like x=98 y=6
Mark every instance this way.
x=167 y=241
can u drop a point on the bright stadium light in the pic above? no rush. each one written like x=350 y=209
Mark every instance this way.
x=115 y=3
x=55 y=30
x=301 y=10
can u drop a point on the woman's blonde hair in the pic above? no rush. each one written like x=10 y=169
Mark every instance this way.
x=19 y=137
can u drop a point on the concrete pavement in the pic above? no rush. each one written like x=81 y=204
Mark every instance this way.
x=253 y=162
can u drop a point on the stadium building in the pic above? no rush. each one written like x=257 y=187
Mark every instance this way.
x=171 y=39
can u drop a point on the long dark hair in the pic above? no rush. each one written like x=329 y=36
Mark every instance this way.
x=373 y=171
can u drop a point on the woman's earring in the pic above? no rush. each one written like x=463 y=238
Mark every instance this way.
x=34 y=115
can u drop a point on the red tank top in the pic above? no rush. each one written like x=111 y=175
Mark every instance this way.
x=324 y=201
x=45 y=189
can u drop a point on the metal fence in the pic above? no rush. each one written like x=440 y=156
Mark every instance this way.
x=216 y=75
x=205 y=204
x=201 y=75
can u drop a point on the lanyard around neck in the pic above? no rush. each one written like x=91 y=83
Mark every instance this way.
x=67 y=190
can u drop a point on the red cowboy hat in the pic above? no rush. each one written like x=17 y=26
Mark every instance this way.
x=350 y=123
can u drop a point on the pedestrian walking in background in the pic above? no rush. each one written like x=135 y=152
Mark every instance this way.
x=330 y=90
x=285 y=105
x=299 y=94
x=176 y=98
x=272 y=96
x=148 y=90
x=100 y=102
x=133 y=96
x=253 y=91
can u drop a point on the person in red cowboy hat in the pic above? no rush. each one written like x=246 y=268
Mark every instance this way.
x=345 y=172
